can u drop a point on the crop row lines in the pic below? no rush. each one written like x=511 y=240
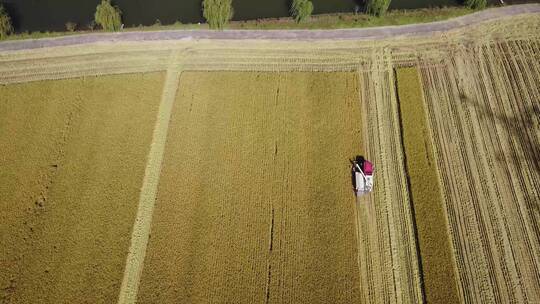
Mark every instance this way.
x=387 y=222
x=482 y=108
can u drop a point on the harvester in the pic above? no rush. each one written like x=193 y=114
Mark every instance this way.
x=362 y=171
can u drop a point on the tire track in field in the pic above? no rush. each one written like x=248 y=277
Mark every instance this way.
x=143 y=221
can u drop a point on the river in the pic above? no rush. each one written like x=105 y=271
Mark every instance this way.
x=52 y=15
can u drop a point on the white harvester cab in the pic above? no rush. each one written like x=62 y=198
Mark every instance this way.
x=363 y=176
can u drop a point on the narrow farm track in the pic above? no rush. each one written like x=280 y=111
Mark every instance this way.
x=141 y=227
x=250 y=55
x=482 y=90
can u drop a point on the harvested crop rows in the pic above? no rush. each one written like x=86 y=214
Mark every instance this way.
x=484 y=107
x=481 y=96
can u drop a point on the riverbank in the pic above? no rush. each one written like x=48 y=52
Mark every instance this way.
x=323 y=21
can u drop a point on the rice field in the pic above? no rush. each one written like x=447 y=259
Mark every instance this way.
x=73 y=154
x=437 y=262
x=218 y=171
x=255 y=203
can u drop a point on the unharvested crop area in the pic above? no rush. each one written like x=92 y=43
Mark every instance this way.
x=438 y=267
x=73 y=154
x=255 y=203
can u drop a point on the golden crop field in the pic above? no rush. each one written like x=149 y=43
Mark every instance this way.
x=438 y=266
x=255 y=202
x=243 y=193
x=72 y=161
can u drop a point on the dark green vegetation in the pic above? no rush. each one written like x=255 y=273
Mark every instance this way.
x=336 y=21
x=301 y=10
x=108 y=16
x=377 y=7
x=71 y=26
x=72 y=157
x=438 y=267
x=217 y=12
x=476 y=4
x=254 y=202
x=5 y=24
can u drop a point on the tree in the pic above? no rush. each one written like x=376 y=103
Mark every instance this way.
x=91 y=25
x=71 y=26
x=476 y=4
x=217 y=12
x=301 y=10
x=5 y=24
x=377 y=7
x=108 y=16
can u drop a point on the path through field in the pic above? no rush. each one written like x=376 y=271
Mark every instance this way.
x=72 y=162
x=147 y=198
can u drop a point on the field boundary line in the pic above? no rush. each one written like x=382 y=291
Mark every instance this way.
x=143 y=221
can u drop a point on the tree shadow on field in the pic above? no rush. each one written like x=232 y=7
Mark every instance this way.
x=521 y=127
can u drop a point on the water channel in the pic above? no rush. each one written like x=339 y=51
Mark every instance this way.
x=52 y=15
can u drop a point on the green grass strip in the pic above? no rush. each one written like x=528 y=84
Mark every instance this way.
x=438 y=271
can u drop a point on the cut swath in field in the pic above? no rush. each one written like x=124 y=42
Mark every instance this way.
x=387 y=250
x=481 y=87
x=255 y=202
x=73 y=154
x=435 y=251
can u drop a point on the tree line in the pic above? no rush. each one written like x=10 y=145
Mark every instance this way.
x=216 y=12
